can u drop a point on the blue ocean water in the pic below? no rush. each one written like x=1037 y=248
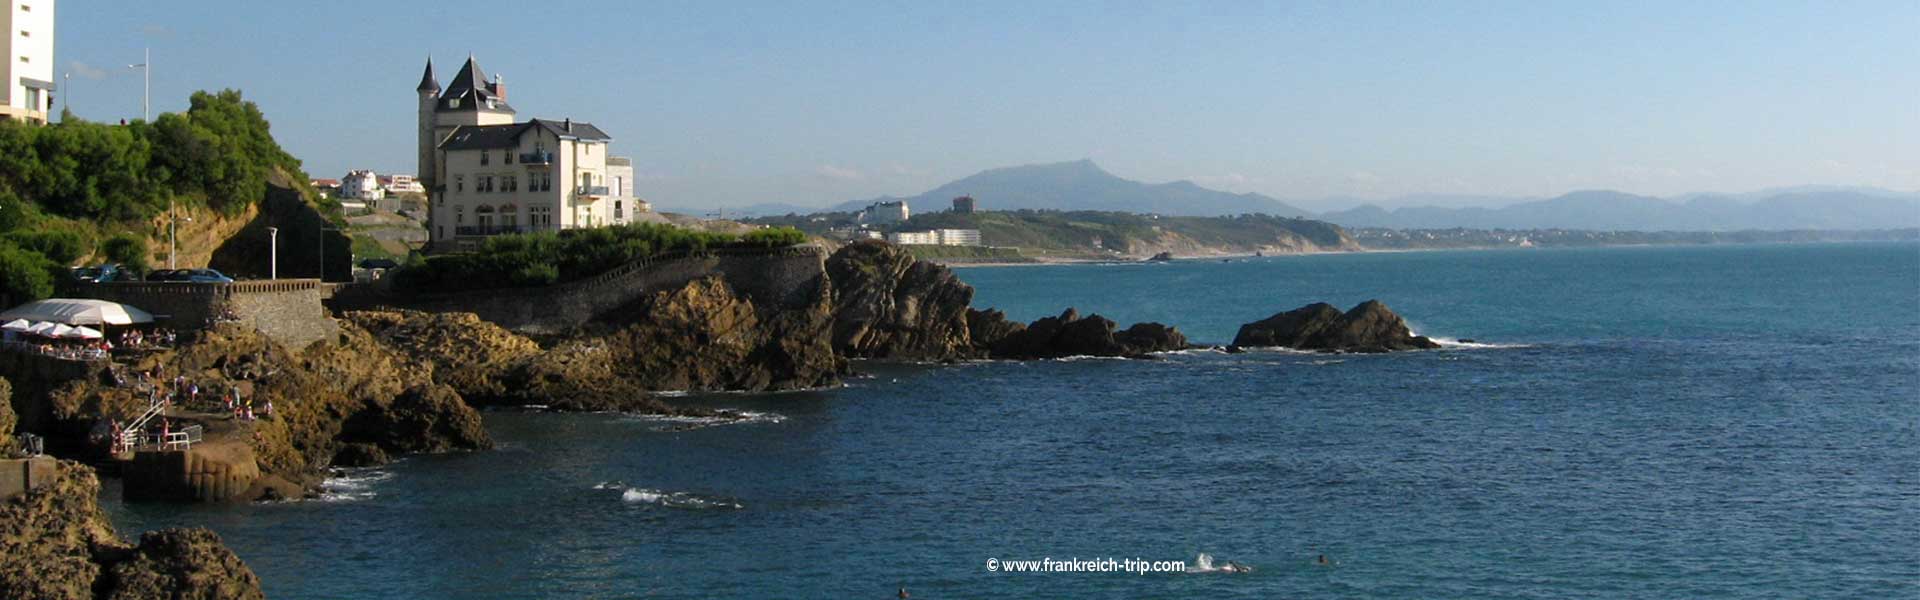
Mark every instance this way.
x=1721 y=421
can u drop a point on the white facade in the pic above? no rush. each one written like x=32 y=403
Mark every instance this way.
x=401 y=184
x=937 y=237
x=361 y=185
x=886 y=212
x=27 y=72
x=486 y=174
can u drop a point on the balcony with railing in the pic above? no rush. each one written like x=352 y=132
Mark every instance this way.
x=591 y=191
x=537 y=159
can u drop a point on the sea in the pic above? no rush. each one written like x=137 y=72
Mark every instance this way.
x=1637 y=422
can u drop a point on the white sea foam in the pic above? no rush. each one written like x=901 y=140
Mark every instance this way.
x=1454 y=343
x=352 y=484
x=726 y=417
x=683 y=500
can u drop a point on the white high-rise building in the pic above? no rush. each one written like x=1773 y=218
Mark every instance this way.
x=27 y=91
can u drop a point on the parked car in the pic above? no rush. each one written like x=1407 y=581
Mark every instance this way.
x=189 y=276
x=200 y=276
x=96 y=273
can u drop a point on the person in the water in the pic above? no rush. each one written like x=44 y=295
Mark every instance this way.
x=1322 y=561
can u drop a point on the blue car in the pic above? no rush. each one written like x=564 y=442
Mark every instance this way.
x=195 y=276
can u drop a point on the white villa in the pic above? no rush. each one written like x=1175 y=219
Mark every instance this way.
x=26 y=73
x=361 y=185
x=486 y=174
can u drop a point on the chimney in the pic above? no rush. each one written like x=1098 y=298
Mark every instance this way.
x=500 y=87
x=567 y=124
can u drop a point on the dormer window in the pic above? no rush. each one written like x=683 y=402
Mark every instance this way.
x=453 y=103
x=489 y=103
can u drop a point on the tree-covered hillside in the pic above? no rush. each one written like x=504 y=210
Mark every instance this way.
x=77 y=189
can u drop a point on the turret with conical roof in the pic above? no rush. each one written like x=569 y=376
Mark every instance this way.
x=427 y=82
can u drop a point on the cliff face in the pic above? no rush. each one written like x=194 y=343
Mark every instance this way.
x=700 y=336
x=59 y=545
x=349 y=389
x=887 y=305
x=1071 y=335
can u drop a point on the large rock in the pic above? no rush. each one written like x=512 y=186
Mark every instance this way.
x=701 y=337
x=1369 y=327
x=1071 y=335
x=887 y=305
x=58 y=545
x=474 y=356
x=426 y=418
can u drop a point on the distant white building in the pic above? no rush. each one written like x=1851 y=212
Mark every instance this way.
x=26 y=72
x=937 y=237
x=361 y=185
x=881 y=213
x=401 y=184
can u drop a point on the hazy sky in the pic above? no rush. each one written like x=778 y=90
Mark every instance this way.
x=819 y=102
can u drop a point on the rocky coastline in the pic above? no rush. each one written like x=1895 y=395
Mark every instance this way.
x=396 y=382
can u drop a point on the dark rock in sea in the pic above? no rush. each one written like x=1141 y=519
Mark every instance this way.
x=57 y=544
x=1369 y=327
x=425 y=418
x=1071 y=335
x=1161 y=257
x=887 y=305
x=360 y=454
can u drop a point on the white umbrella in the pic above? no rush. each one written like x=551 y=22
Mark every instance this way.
x=17 y=325
x=59 y=331
x=41 y=328
x=85 y=333
x=78 y=311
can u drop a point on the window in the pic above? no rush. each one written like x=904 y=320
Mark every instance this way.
x=617 y=212
x=23 y=59
x=507 y=156
x=459 y=183
x=453 y=103
x=483 y=156
x=25 y=33
x=459 y=214
x=510 y=183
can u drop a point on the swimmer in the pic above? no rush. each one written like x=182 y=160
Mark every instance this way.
x=1322 y=561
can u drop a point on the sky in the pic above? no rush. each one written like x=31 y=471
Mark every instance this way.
x=1321 y=104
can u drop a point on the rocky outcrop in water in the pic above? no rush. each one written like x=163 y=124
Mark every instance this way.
x=1072 y=335
x=59 y=545
x=1368 y=327
x=887 y=305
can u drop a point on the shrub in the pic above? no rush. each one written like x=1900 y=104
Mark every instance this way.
x=127 y=249
x=60 y=246
x=25 y=275
x=537 y=259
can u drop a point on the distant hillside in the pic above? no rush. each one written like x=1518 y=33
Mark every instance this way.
x=1082 y=185
x=1791 y=209
x=1107 y=234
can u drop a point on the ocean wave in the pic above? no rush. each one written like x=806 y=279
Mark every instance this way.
x=1454 y=343
x=725 y=417
x=350 y=485
x=681 y=500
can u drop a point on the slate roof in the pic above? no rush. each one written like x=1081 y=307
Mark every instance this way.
x=477 y=137
x=471 y=89
x=427 y=82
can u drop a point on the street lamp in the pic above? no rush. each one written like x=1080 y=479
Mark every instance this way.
x=66 y=82
x=173 y=246
x=273 y=253
x=146 y=95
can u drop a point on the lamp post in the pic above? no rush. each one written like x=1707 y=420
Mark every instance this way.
x=273 y=253
x=146 y=94
x=66 y=82
x=173 y=247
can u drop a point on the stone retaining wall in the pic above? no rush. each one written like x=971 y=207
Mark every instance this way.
x=291 y=311
x=20 y=475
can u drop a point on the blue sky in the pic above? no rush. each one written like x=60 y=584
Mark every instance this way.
x=817 y=102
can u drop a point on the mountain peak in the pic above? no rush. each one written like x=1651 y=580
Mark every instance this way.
x=1083 y=185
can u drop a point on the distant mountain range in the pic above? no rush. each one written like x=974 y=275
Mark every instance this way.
x=1082 y=185
x=1794 y=208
